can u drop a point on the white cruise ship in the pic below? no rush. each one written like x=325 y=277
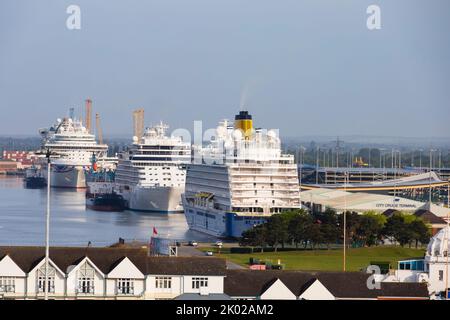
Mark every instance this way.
x=72 y=147
x=241 y=180
x=151 y=174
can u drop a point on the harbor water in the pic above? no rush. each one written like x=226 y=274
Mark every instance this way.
x=22 y=219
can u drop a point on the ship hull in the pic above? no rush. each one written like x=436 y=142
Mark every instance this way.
x=67 y=176
x=154 y=199
x=107 y=203
x=35 y=182
x=217 y=223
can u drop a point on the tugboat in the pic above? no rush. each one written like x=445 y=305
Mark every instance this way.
x=100 y=194
x=101 y=197
x=34 y=179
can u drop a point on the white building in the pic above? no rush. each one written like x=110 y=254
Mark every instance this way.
x=119 y=273
x=105 y=273
x=433 y=269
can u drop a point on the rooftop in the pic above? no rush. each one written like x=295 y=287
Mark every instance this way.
x=107 y=258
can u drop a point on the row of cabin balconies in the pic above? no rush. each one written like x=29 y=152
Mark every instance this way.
x=263 y=173
x=267 y=204
x=267 y=195
x=264 y=187
x=258 y=180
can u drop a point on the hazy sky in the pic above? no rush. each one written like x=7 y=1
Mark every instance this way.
x=305 y=67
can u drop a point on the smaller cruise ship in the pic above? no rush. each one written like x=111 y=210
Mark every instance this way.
x=151 y=174
x=72 y=147
x=239 y=180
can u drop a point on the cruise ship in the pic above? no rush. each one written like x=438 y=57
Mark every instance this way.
x=72 y=147
x=151 y=174
x=239 y=180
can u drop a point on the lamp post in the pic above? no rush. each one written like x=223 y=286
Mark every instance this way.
x=317 y=164
x=446 y=244
x=47 y=227
x=420 y=158
x=300 y=159
x=431 y=165
x=345 y=222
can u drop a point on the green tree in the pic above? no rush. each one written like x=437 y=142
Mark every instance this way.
x=329 y=233
x=369 y=227
x=254 y=237
x=352 y=221
x=277 y=230
x=314 y=235
x=298 y=226
x=421 y=232
x=406 y=228
x=393 y=226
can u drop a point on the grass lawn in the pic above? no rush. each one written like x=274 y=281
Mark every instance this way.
x=325 y=260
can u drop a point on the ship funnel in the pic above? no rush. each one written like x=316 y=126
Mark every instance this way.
x=243 y=122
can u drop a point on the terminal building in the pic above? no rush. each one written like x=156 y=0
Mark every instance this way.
x=331 y=176
x=416 y=187
x=320 y=199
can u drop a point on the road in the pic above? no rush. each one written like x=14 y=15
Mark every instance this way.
x=188 y=251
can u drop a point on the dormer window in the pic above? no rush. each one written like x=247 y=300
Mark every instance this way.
x=86 y=276
x=125 y=286
x=50 y=279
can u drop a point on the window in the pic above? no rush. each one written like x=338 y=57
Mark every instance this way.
x=198 y=283
x=441 y=275
x=125 y=286
x=163 y=282
x=86 y=279
x=50 y=279
x=7 y=284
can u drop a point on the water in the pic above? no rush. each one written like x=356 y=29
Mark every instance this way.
x=22 y=219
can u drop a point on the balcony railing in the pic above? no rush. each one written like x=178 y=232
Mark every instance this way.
x=85 y=290
x=125 y=290
x=51 y=289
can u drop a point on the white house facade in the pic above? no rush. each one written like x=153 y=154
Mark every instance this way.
x=104 y=273
x=129 y=273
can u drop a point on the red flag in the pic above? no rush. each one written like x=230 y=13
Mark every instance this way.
x=155 y=232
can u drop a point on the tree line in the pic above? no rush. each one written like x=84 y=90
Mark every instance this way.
x=301 y=229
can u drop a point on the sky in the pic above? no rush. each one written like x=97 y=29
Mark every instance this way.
x=305 y=67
